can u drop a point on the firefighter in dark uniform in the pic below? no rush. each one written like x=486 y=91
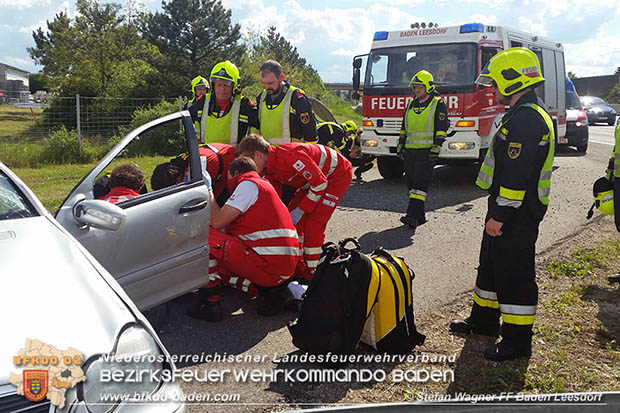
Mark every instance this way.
x=226 y=113
x=517 y=173
x=200 y=87
x=285 y=113
x=341 y=138
x=422 y=133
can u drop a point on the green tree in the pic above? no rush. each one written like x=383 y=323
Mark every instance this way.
x=95 y=54
x=192 y=36
x=274 y=46
x=38 y=81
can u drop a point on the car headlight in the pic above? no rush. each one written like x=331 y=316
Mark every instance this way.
x=461 y=146
x=370 y=142
x=134 y=367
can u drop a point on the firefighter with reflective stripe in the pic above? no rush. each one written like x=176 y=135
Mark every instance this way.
x=321 y=175
x=517 y=173
x=126 y=182
x=227 y=114
x=422 y=133
x=259 y=243
x=200 y=87
x=285 y=113
x=341 y=138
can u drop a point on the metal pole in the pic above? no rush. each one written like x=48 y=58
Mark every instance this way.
x=180 y=109
x=79 y=129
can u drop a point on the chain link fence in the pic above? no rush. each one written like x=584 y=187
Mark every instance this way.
x=94 y=118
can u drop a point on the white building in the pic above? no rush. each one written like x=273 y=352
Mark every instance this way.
x=14 y=85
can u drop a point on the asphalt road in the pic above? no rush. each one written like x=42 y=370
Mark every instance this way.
x=443 y=254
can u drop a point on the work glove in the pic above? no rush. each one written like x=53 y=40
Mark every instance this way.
x=206 y=178
x=296 y=215
x=435 y=152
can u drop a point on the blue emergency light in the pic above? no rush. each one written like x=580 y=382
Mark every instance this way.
x=380 y=36
x=472 y=28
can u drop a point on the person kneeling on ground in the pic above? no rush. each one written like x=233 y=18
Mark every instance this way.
x=253 y=239
x=126 y=182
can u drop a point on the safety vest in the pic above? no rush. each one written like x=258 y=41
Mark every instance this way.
x=267 y=228
x=420 y=127
x=331 y=126
x=220 y=130
x=515 y=197
x=615 y=156
x=275 y=123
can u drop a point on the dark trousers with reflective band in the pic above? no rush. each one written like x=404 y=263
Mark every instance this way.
x=419 y=172
x=506 y=282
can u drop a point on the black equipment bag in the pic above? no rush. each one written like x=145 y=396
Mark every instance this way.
x=338 y=301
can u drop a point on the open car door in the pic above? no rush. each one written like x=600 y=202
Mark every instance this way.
x=161 y=250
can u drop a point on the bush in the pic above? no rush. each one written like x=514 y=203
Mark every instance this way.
x=164 y=140
x=62 y=147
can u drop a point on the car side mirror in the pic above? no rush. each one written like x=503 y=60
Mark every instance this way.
x=99 y=214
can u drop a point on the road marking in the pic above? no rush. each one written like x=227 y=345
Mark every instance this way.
x=602 y=143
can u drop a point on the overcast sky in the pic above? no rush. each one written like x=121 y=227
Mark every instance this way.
x=329 y=33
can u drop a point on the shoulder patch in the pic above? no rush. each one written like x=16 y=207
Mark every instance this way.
x=304 y=118
x=307 y=175
x=299 y=94
x=514 y=150
x=442 y=116
x=299 y=166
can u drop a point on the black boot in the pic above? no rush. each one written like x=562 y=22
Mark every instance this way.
x=361 y=169
x=409 y=220
x=273 y=300
x=206 y=306
x=505 y=350
x=468 y=327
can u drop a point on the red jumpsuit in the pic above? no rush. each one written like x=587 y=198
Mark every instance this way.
x=260 y=246
x=119 y=194
x=322 y=176
x=216 y=169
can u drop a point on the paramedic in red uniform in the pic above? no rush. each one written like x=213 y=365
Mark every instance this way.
x=126 y=181
x=321 y=175
x=253 y=238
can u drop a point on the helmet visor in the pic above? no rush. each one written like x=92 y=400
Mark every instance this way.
x=485 y=80
x=226 y=81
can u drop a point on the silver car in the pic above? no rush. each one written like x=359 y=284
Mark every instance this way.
x=55 y=292
x=161 y=251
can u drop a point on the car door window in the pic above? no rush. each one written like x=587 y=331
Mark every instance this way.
x=13 y=204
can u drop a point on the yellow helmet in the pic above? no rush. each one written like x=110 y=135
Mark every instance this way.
x=425 y=78
x=199 y=81
x=225 y=71
x=512 y=70
x=349 y=126
x=603 y=192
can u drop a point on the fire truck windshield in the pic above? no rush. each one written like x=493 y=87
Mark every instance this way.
x=453 y=66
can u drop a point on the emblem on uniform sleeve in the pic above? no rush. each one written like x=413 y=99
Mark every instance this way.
x=307 y=175
x=514 y=150
x=304 y=118
x=442 y=116
x=299 y=165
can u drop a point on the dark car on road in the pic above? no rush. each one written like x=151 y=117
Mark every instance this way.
x=598 y=111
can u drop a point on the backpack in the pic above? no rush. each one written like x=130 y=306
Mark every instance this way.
x=353 y=296
x=337 y=302
x=391 y=327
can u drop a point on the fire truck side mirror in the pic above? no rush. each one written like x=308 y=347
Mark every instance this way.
x=356 y=79
x=357 y=63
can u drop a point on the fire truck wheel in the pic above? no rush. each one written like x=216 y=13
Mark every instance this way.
x=390 y=167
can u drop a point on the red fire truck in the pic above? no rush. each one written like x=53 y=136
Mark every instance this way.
x=454 y=55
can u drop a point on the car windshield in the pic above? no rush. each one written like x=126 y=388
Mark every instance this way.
x=592 y=100
x=13 y=204
x=572 y=102
x=452 y=65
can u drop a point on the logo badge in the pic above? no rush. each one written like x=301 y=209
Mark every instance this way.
x=299 y=166
x=35 y=384
x=304 y=118
x=514 y=150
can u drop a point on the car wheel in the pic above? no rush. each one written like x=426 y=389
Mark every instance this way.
x=582 y=148
x=611 y=122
